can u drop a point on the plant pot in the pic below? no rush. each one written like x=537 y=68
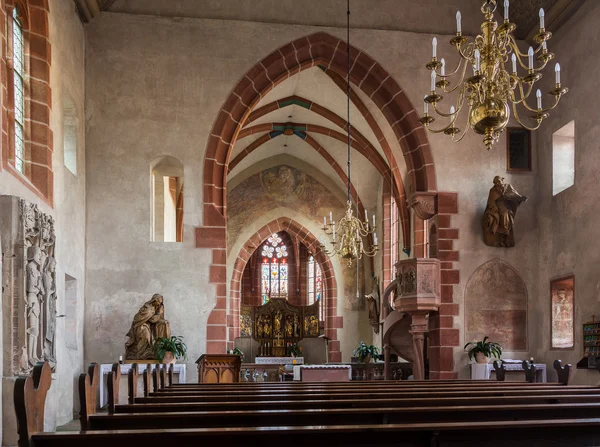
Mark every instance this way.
x=480 y=357
x=168 y=358
x=367 y=359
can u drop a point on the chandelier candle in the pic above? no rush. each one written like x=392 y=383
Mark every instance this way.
x=491 y=93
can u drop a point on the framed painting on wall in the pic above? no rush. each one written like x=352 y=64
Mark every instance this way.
x=518 y=149
x=562 y=297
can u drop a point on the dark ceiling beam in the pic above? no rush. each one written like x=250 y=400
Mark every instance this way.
x=557 y=15
x=88 y=9
x=107 y=4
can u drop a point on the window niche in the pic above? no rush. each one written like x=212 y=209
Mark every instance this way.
x=70 y=133
x=562 y=292
x=563 y=158
x=167 y=200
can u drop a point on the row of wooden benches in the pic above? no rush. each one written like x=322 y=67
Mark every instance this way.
x=412 y=413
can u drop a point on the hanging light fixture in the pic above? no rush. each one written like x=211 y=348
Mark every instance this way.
x=347 y=235
x=487 y=94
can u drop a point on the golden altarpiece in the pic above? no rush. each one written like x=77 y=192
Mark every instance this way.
x=278 y=325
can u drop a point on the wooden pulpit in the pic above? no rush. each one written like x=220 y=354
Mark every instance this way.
x=219 y=368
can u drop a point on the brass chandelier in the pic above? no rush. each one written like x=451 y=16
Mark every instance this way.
x=347 y=235
x=486 y=94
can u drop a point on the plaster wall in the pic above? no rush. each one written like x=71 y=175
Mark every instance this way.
x=158 y=84
x=68 y=85
x=567 y=221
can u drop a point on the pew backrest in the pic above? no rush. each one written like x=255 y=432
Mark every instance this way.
x=30 y=401
x=162 y=376
x=155 y=379
x=171 y=371
x=500 y=370
x=113 y=382
x=147 y=378
x=132 y=380
x=529 y=369
x=564 y=372
x=88 y=388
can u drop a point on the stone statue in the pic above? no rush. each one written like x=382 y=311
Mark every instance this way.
x=49 y=283
x=35 y=289
x=499 y=216
x=373 y=302
x=148 y=325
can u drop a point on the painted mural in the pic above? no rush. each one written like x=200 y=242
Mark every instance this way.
x=496 y=306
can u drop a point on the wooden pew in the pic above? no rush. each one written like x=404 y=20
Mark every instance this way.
x=565 y=432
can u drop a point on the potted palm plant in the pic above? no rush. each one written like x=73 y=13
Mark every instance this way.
x=366 y=352
x=167 y=350
x=483 y=350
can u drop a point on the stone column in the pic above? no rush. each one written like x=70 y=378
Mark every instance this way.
x=418 y=328
x=387 y=370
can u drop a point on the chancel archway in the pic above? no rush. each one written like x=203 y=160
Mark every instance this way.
x=329 y=53
x=300 y=235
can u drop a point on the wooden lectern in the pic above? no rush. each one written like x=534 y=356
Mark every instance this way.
x=219 y=368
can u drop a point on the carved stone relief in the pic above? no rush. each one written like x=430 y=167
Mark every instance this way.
x=496 y=306
x=29 y=295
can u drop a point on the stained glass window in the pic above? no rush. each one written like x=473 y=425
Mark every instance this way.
x=315 y=284
x=274 y=276
x=18 y=90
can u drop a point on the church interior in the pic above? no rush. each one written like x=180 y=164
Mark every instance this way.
x=378 y=192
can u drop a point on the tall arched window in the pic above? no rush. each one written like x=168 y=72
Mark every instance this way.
x=18 y=71
x=315 y=281
x=274 y=272
x=167 y=200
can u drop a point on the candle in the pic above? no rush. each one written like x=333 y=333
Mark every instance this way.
x=334 y=231
x=366 y=216
x=434 y=43
x=433 y=75
x=514 y=63
x=425 y=107
x=373 y=220
x=443 y=67
x=545 y=46
x=330 y=217
x=530 y=53
x=506 y=10
x=542 y=26
x=324 y=221
x=452 y=110
x=557 y=72
x=375 y=238
x=538 y=94
x=458 y=24
x=477 y=59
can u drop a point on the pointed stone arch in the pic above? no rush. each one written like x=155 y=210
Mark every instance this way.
x=231 y=309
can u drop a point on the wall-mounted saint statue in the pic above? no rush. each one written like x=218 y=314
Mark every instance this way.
x=499 y=217
x=373 y=300
x=148 y=325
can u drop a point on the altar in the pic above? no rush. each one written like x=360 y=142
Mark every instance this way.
x=323 y=373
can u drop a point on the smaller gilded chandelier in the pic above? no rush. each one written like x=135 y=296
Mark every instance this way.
x=347 y=236
x=487 y=95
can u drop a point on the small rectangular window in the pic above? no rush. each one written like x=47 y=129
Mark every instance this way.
x=563 y=158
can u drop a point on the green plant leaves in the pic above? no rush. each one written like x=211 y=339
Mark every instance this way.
x=174 y=344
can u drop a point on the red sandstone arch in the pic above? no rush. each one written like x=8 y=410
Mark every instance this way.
x=332 y=321
x=317 y=49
